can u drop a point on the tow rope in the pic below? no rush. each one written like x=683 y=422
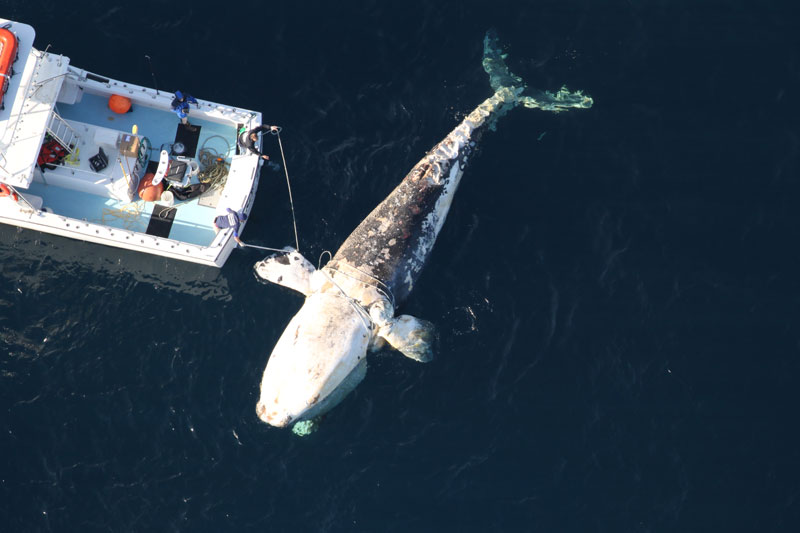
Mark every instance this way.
x=277 y=132
x=265 y=248
x=289 y=187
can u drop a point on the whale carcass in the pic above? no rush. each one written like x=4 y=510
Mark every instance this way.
x=350 y=303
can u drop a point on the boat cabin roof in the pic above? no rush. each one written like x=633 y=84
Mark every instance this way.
x=29 y=103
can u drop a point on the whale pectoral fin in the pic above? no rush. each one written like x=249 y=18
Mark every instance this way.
x=413 y=337
x=290 y=270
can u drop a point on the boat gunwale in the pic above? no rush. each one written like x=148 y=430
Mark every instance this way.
x=220 y=247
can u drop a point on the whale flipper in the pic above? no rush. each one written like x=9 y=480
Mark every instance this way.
x=413 y=337
x=291 y=270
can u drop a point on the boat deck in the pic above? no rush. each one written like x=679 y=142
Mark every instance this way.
x=192 y=221
x=192 y=218
x=158 y=125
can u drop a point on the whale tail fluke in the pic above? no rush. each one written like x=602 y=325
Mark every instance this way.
x=500 y=77
x=494 y=63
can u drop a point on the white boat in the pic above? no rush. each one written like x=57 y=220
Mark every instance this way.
x=72 y=166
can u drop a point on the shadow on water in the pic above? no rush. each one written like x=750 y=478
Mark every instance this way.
x=48 y=258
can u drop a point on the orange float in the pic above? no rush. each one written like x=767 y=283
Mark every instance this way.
x=8 y=55
x=119 y=104
x=5 y=191
x=149 y=192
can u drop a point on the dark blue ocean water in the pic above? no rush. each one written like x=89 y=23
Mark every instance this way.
x=616 y=289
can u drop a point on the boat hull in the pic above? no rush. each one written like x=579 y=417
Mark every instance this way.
x=75 y=163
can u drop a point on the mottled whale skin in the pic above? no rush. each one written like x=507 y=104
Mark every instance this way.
x=394 y=241
x=350 y=303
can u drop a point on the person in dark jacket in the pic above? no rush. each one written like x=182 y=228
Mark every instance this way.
x=248 y=140
x=180 y=104
x=230 y=220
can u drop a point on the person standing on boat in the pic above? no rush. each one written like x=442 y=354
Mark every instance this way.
x=248 y=140
x=180 y=104
x=230 y=220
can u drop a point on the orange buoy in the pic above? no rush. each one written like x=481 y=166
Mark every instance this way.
x=5 y=191
x=119 y=104
x=149 y=192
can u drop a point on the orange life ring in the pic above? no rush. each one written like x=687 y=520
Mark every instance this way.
x=8 y=54
x=5 y=191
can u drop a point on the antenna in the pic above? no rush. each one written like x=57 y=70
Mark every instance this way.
x=155 y=83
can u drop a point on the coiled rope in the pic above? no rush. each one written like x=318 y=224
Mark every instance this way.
x=213 y=163
x=129 y=214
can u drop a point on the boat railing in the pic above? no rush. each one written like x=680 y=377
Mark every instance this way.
x=20 y=196
x=4 y=163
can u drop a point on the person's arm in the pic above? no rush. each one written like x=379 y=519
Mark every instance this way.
x=251 y=144
x=192 y=100
x=236 y=230
x=265 y=127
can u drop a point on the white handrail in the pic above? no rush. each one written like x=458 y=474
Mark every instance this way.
x=22 y=197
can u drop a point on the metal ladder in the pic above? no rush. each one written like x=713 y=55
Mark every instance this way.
x=62 y=132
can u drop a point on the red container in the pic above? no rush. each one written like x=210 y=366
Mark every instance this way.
x=8 y=55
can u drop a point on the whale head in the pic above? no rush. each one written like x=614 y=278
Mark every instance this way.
x=318 y=360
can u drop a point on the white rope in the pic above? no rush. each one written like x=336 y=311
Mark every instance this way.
x=289 y=186
x=378 y=285
x=291 y=203
x=265 y=248
x=362 y=313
